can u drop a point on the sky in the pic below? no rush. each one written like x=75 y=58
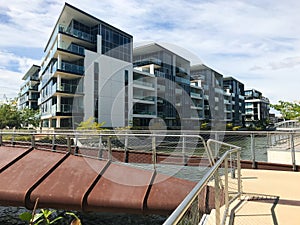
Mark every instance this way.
x=256 y=42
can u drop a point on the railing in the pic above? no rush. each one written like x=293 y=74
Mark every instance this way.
x=73 y=68
x=185 y=214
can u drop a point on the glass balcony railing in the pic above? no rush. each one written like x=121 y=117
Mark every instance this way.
x=72 y=68
x=152 y=99
x=67 y=88
x=143 y=83
x=195 y=95
x=182 y=80
x=144 y=113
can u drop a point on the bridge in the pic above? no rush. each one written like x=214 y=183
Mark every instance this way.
x=133 y=172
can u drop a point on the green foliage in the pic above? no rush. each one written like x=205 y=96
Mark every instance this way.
x=236 y=128
x=229 y=126
x=204 y=126
x=11 y=117
x=90 y=124
x=288 y=110
x=45 y=217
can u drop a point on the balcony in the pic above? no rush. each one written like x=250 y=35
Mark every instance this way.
x=67 y=88
x=195 y=95
x=182 y=80
x=147 y=61
x=65 y=109
x=180 y=71
x=77 y=33
x=142 y=99
x=71 y=68
x=143 y=83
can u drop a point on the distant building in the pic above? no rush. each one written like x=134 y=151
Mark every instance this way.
x=213 y=94
x=256 y=107
x=29 y=94
x=234 y=101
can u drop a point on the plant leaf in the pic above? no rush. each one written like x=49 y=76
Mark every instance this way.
x=26 y=216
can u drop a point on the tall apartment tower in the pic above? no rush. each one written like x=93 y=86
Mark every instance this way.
x=235 y=90
x=162 y=88
x=212 y=83
x=256 y=107
x=85 y=65
x=28 y=96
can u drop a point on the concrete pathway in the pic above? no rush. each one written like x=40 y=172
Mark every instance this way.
x=273 y=197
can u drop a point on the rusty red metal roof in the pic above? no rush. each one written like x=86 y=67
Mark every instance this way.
x=65 y=181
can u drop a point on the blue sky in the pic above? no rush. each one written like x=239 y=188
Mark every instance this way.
x=257 y=42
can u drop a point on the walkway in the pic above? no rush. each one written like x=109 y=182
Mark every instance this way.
x=275 y=198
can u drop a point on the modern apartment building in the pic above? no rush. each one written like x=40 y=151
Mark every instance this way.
x=256 y=107
x=85 y=65
x=29 y=94
x=213 y=94
x=161 y=86
x=234 y=101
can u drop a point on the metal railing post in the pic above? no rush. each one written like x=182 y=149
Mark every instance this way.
x=184 y=158
x=292 y=144
x=69 y=143
x=53 y=142
x=32 y=141
x=253 y=151
x=1 y=139
x=109 y=148
x=13 y=139
x=226 y=183
x=126 y=149
x=154 y=152
x=100 y=152
x=238 y=161
x=217 y=197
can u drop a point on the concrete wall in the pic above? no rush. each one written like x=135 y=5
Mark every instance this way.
x=111 y=88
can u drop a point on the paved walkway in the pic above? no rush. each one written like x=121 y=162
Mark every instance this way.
x=273 y=198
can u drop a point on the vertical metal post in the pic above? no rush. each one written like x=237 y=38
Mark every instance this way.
x=217 y=197
x=13 y=139
x=253 y=151
x=154 y=152
x=69 y=143
x=32 y=141
x=1 y=139
x=109 y=148
x=226 y=183
x=238 y=159
x=292 y=144
x=53 y=142
x=184 y=159
x=100 y=152
x=126 y=149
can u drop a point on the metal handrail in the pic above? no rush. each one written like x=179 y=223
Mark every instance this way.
x=179 y=212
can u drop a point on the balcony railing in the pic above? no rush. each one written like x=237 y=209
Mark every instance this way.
x=143 y=83
x=67 y=88
x=195 y=95
x=72 y=68
x=144 y=113
x=149 y=98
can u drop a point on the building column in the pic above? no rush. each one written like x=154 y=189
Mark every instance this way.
x=58 y=122
x=152 y=69
x=59 y=61
x=59 y=43
x=59 y=87
x=58 y=104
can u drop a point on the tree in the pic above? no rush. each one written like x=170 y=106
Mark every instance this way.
x=288 y=110
x=29 y=117
x=9 y=116
x=90 y=124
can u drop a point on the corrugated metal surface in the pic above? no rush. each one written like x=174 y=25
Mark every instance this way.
x=65 y=181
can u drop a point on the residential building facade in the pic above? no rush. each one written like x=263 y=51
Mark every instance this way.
x=29 y=94
x=90 y=69
x=84 y=67
x=256 y=108
x=234 y=101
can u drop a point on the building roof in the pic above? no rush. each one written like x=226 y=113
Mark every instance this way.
x=151 y=46
x=33 y=69
x=69 y=12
